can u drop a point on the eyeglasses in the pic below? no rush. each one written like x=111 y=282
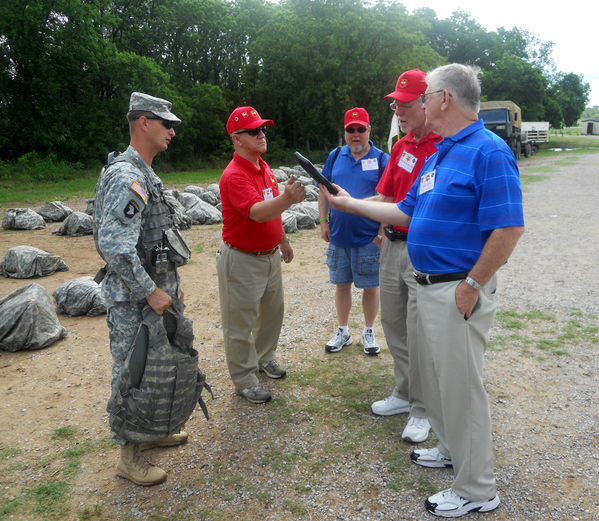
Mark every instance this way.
x=166 y=124
x=424 y=97
x=252 y=131
x=351 y=130
x=394 y=105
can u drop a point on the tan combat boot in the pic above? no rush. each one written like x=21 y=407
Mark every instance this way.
x=171 y=441
x=134 y=467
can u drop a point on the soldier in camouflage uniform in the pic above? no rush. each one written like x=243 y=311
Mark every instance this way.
x=129 y=219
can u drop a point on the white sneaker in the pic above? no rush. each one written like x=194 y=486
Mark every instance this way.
x=450 y=504
x=430 y=458
x=369 y=342
x=390 y=406
x=416 y=430
x=338 y=342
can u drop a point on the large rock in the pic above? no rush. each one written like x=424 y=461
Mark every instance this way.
x=181 y=220
x=289 y=222
x=204 y=213
x=22 y=219
x=24 y=262
x=28 y=320
x=55 y=212
x=306 y=214
x=77 y=224
x=81 y=296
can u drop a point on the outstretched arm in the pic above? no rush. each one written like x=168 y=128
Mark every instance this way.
x=378 y=211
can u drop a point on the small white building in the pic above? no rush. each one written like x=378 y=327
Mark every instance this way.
x=590 y=127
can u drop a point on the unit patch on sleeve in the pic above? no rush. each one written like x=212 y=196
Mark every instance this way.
x=131 y=209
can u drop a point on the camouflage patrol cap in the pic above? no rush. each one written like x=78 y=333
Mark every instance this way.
x=158 y=106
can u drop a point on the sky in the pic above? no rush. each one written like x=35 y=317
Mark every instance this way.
x=573 y=30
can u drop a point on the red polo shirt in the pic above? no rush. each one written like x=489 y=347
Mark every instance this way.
x=407 y=154
x=242 y=185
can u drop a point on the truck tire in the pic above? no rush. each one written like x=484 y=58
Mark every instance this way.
x=527 y=150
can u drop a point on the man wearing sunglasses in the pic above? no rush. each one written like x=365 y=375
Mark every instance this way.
x=399 y=315
x=354 y=242
x=130 y=218
x=465 y=217
x=248 y=261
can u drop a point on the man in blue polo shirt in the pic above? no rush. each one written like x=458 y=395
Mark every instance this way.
x=465 y=217
x=355 y=242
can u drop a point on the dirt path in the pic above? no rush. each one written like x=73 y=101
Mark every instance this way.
x=544 y=406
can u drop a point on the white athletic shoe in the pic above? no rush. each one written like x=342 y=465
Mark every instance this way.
x=416 y=430
x=390 y=406
x=450 y=504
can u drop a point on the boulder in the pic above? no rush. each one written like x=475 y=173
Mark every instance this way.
x=22 y=219
x=28 y=320
x=77 y=297
x=24 y=262
x=55 y=212
x=77 y=224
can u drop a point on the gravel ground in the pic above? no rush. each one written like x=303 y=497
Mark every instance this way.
x=544 y=409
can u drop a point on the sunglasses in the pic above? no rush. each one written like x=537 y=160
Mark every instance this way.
x=166 y=124
x=351 y=130
x=253 y=131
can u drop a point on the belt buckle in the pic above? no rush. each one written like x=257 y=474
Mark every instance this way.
x=423 y=280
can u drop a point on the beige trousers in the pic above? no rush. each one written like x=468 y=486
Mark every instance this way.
x=399 y=318
x=452 y=352
x=250 y=289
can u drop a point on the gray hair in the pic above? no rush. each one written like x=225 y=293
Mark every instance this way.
x=462 y=81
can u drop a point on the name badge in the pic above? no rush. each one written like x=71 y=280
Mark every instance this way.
x=267 y=192
x=427 y=182
x=370 y=164
x=407 y=161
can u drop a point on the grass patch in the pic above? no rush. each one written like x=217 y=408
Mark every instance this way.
x=64 y=185
x=536 y=330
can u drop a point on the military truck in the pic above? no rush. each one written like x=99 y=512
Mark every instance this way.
x=504 y=118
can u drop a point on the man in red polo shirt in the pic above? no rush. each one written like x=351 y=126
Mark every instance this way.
x=248 y=262
x=396 y=279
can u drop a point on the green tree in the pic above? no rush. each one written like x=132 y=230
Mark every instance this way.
x=572 y=95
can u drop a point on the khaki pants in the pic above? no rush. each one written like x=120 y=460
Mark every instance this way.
x=399 y=317
x=250 y=289
x=452 y=352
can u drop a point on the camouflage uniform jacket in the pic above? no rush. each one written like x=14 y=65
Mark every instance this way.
x=124 y=199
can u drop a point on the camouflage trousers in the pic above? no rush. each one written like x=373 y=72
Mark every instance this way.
x=123 y=319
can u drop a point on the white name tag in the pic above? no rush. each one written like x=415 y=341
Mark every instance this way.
x=427 y=183
x=370 y=164
x=407 y=162
x=267 y=192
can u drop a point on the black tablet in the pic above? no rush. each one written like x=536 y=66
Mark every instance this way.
x=307 y=165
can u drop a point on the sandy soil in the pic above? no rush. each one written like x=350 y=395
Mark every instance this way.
x=545 y=414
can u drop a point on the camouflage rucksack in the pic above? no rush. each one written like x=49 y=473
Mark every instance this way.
x=161 y=383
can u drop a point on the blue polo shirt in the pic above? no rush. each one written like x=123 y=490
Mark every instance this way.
x=347 y=230
x=476 y=189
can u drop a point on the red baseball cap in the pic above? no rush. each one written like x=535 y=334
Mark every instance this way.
x=246 y=117
x=357 y=116
x=409 y=86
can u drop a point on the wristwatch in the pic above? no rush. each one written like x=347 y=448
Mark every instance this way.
x=380 y=238
x=471 y=282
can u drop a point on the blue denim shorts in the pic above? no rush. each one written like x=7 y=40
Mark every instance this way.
x=357 y=265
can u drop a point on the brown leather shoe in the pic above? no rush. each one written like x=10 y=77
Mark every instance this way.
x=134 y=467
x=171 y=441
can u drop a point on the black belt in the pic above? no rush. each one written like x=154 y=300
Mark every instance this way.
x=393 y=235
x=255 y=253
x=425 y=280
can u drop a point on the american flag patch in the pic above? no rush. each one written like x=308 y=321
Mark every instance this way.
x=138 y=189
